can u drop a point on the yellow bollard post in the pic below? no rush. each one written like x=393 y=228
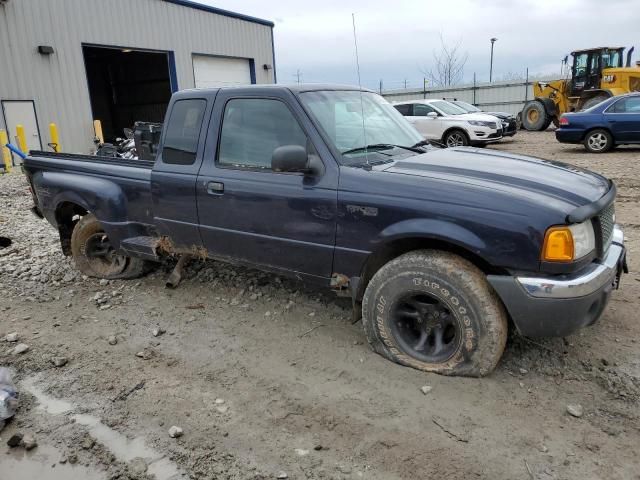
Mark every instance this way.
x=22 y=138
x=97 y=128
x=6 y=154
x=55 y=141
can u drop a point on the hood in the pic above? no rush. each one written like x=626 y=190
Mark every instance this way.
x=549 y=183
x=502 y=115
x=482 y=117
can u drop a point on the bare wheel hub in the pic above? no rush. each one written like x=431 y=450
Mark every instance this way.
x=102 y=257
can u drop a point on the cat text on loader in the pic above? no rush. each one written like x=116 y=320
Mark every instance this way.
x=596 y=74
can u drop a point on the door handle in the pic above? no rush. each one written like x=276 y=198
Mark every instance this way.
x=215 y=188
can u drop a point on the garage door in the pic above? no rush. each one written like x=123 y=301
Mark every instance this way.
x=218 y=72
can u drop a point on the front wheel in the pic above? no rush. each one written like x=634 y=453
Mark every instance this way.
x=598 y=141
x=94 y=255
x=456 y=138
x=435 y=311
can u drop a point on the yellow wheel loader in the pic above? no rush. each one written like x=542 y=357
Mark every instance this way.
x=596 y=74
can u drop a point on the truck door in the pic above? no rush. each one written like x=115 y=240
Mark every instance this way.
x=250 y=213
x=173 y=179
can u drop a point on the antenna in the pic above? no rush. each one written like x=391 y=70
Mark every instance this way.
x=364 y=131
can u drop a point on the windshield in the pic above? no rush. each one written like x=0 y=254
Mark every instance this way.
x=340 y=115
x=447 y=108
x=466 y=106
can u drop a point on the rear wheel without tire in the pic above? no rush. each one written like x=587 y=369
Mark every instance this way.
x=435 y=311
x=456 y=138
x=534 y=117
x=598 y=141
x=94 y=255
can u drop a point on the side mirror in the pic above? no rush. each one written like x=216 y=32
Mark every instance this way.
x=432 y=114
x=290 y=158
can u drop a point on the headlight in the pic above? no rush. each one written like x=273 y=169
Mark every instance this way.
x=479 y=123
x=568 y=243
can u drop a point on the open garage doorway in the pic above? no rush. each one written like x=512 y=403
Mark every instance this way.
x=128 y=85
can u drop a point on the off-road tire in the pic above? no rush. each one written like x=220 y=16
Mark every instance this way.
x=598 y=141
x=456 y=133
x=84 y=229
x=594 y=101
x=479 y=314
x=534 y=117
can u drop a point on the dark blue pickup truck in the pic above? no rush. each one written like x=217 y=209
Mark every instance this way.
x=438 y=248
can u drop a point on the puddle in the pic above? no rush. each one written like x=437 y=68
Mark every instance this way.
x=38 y=463
x=47 y=403
x=125 y=449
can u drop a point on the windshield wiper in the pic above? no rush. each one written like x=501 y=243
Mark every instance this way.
x=381 y=146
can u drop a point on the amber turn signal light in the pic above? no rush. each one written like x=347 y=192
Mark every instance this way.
x=558 y=245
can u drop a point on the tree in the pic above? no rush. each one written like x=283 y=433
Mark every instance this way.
x=449 y=65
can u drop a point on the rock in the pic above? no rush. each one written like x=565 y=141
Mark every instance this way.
x=282 y=475
x=20 y=348
x=175 y=432
x=426 y=389
x=144 y=354
x=575 y=410
x=104 y=282
x=112 y=340
x=222 y=408
x=11 y=337
x=87 y=443
x=318 y=447
x=523 y=371
x=301 y=452
x=157 y=331
x=138 y=466
x=59 y=361
x=15 y=440
x=219 y=401
x=29 y=442
x=72 y=458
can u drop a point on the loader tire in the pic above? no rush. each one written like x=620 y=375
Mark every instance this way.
x=535 y=117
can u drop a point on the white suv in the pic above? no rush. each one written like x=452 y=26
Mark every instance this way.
x=445 y=122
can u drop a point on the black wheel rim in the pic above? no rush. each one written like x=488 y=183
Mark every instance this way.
x=102 y=257
x=425 y=327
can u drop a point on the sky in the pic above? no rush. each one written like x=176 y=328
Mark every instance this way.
x=397 y=39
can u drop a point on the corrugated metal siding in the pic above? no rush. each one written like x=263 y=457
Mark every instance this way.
x=58 y=82
x=497 y=96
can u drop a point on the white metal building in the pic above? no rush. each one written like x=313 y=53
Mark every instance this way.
x=69 y=62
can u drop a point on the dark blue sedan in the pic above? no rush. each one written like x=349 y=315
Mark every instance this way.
x=616 y=121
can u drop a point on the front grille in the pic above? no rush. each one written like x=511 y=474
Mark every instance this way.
x=607 y=220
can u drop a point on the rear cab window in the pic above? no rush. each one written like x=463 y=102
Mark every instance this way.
x=183 y=131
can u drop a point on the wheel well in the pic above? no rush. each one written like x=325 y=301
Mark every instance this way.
x=597 y=128
x=67 y=215
x=451 y=129
x=399 y=247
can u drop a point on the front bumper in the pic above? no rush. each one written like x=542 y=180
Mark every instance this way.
x=559 y=305
x=484 y=134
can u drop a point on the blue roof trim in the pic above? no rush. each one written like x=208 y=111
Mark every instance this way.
x=219 y=11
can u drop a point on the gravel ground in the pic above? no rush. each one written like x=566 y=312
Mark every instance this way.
x=269 y=379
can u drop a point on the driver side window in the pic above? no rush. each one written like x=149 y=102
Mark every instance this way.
x=252 y=128
x=421 y=110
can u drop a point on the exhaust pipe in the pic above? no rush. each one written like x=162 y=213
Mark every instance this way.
x=176 y=275
x=629 y=56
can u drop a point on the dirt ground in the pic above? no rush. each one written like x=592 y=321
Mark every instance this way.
x=270 y=379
